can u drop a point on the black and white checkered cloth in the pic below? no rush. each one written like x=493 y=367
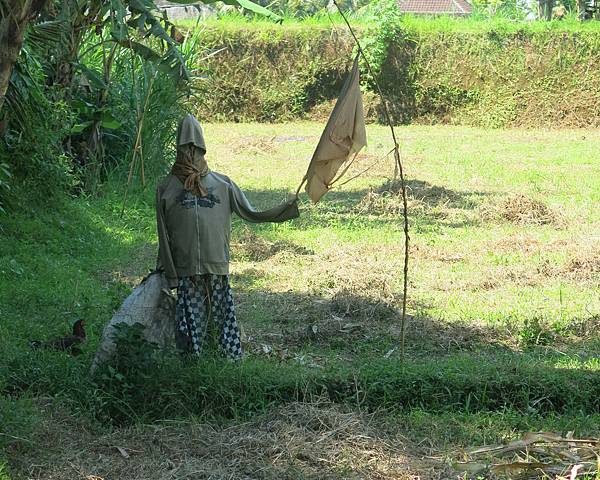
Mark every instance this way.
x=203 y=299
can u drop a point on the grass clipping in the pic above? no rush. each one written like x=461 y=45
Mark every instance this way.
x=536 y=455
x=521 y=210
x=309 y=441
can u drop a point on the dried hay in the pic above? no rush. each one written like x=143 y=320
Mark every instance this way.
x=383 y=203
x=254 y=145
x=422 y=198
x=583 y=262
x=524 y=244
x=435 y=253
x=296 y=138
x=387 y=201
x=256 y=248
x=521 y=210
x=584 y=265
x=426 y=334
x=350 y=293
x=520 y=274
x=299 y=440
x=360 y=284
x=535 y=455
x=586 y=328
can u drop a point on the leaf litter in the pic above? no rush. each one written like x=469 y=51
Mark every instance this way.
x=313 y=440
x=535 y=455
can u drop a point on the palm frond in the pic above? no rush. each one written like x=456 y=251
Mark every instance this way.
x=47 y=34
x=245 y=4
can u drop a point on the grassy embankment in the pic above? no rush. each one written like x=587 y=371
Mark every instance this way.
x=486 y=73
x=502 y=335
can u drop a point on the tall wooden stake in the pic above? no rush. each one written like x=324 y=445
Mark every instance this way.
x=398 y=168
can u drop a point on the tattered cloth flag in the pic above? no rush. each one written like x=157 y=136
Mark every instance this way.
x=344 y=135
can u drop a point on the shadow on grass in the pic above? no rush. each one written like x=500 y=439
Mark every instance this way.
x=69 y=261
x=449 y=367
x=381 y=206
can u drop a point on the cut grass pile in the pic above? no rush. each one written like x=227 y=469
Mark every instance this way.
x=503 y=302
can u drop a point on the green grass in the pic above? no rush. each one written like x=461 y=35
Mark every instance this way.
x=415 y=24
x=503 y=315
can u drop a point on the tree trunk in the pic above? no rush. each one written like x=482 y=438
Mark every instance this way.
x=12 y=34
x=549 y=9
x=17 y=15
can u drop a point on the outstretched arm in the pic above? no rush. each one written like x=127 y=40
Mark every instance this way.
x=241 y=206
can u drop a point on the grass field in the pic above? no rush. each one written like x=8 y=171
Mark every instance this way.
x=503 y=303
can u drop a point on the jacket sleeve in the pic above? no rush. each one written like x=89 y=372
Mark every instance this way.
x=242 y=207
x=165 y=259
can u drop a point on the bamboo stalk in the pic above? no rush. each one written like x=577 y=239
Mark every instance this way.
x=400 y=170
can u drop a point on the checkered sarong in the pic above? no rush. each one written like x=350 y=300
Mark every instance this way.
x=200 y=300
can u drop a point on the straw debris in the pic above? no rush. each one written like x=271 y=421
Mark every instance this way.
x=535 y=455
x=313 y=441
x=254 y=145
x=249 y=245
x=358 y=290
x=521 y=210
x=584 y=265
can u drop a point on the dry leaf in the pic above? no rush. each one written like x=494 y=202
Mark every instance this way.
x=123 y=452
x=350 y=327
x=574 y=470
x=389 y=353
x=471 y=467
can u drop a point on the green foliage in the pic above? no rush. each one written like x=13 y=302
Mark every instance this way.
x=390 y=52
x=305 y=9
x=138 y=96
x=535 y=332
x=143 y=385
x=32 y=149
x=4 y=184
x=66 y=132
x=3 y=473
x=467 y=382
x=125 y=384
x=17 y=421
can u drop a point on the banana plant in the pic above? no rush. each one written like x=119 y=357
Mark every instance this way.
x=78 y=16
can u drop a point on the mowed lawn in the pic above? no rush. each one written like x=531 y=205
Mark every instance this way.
x=504 y=227
x=504 y=271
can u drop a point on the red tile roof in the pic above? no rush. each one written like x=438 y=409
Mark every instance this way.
x=436 y=7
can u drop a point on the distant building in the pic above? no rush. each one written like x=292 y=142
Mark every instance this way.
x=436 y=7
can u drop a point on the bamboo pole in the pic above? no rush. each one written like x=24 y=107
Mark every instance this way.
x=400 y=170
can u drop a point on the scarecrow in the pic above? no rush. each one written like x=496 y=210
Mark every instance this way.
x=194 y=206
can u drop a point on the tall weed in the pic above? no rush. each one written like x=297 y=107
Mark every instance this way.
x=33 y=160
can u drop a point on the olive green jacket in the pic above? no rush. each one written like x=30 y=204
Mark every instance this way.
x=194 y=232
